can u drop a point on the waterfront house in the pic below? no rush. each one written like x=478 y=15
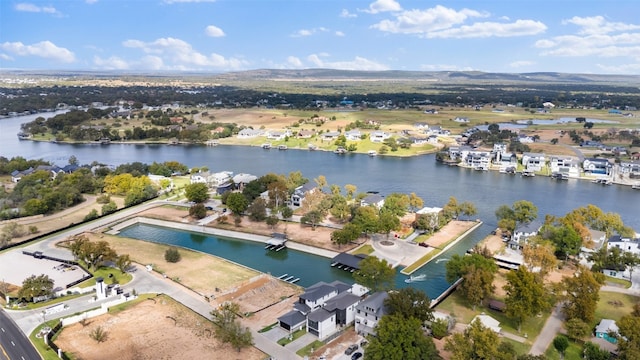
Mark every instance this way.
x=240 y=180
x=301 y=192
x=624 y=244
x=565 y=165
x=533 y=161
x=459 y=152
x=278 y=135
x=607 y=329
x=369 y=312
x=525 y=139
x=306 y=134
x=220 y=178
x=421 y=126
x=378 y=136
x=330 y=135
x=479 y=160
x=200 y=177
x=249 y=133
x=353 y=135
x=461 y=119
x=432 y=139
x=524 y=232
x=322 y=309
x=596 y=166
x=418 y=141
x=631 y=167
x=373 y=199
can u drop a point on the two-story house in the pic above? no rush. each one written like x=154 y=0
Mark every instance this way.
x=373 y=199
x=369 y=312
x=378 y=136
x=631 y=167
x=565 y=165
x=479 y=160
x=524 y=232
x=596 y=166
x=300 y=192
x=533 y=161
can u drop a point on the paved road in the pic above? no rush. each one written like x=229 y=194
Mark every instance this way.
x=551 y=327
x=14 y=345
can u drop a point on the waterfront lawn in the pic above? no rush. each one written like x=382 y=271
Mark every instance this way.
x=364 y=249
x=463 y=312
x=613 y=305
x=423 y=260
x=613 y=281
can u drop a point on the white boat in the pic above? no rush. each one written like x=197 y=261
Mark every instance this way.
x=635 y=187
x=372 y=153
x=416 y=278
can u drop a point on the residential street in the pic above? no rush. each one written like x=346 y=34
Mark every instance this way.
x=551 y=327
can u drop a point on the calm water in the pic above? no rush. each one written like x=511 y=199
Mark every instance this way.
x=433 y=182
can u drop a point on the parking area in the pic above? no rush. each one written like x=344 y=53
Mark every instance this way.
x=16 y=266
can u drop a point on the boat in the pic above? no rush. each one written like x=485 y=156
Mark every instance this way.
x=312 y=147
x=635 y=187
x=282 y=147
x=416 y=278
x=266 y=146
x=528 y=173
x=559 y=176
x=340 y=151
x=23 y=136
x=372 y=153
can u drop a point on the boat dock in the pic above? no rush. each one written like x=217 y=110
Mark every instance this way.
x=277 y=242
x=347 y=262
x=288 y=278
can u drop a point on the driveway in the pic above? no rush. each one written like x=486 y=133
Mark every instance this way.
x=551 y=327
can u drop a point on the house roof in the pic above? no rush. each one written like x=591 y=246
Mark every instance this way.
x=303 y=189
x=317 y=291
x=292 y=318
x=488 y=322
x=320 y=315
x=528 y=228
x=372 y=199
x=374 y=302
x=342 y=301
x=607 y=325
x=348 y=259
x=244 y=178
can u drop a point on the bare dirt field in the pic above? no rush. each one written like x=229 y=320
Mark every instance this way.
x=450 y=231
x=157 y=328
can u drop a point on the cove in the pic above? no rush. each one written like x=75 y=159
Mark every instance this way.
x=308 y=267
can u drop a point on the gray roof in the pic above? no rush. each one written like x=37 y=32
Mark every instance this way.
x=530 y=227
x=351 y=261
x=292 y=318
x=342 y=301
x=372 y=199
x=607 y=325
x=320 y=315
x=374 y=303
x=317 y=291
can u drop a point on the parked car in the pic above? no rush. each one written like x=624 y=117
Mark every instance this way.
x=351 y=349
x=356 y=356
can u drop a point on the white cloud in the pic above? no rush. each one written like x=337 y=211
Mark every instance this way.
x=309 y=32
x=595 y=37
x=43 y=49
x=492 y=29
x=6 y=57
x=346 y=14
x=598 y=25
x=358 y=63
x=383 y=6
x=186 y=1
x=90 y=1
x=521 y=63
x=176 y=54
x=426 y=21
x=112 y=63
x=294 y=62
x=214 y=31
x=621 y=69
x=28 y=7
x=339 y=33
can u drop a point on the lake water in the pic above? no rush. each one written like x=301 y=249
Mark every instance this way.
x=433 y=182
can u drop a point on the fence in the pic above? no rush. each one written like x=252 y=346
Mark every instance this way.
x=50 y=335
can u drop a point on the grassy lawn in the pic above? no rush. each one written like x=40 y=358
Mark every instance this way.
x=574 y=351
x=364 y=249
x=519 y=347
x=614 y=305
x=45 y=351
x=291 y=338
x=460 y=308
x=43 y=304
x=267 y=328
x=617 y=282
x=307 y=350
x=110 y=276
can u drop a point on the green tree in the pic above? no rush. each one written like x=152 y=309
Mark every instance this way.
x=388 y=222
x=312 y=218
x=93 y=253
x=123 y=262
x=451 y=210
x=198 y=211
x=34 y=286
x=439 y=328
x=350 y=190
x=340 y=208
x=172 y=255
x=229 y=330
x=565 y=239
x=237 y=202
x=272 y=221
x=415 y=202
x=525 y=295
x=109 y=208
x=400 y=338
x=375 y=274
x=286 y=212
x=197 y=192
x=409 y=303
x=593 y=352
x=524 y=211
x=561 y=343
x=577 y=329
x=468 y=209
x=477 y=342
x=366 y=217
x=477 y=273
x=396 y=204
x=539 y=255
x=582 y=292
x=349 y=232
x=629 y=337
x=257 y=210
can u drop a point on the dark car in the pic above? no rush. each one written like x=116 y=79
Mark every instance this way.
x=356 y=356
x=351 y=349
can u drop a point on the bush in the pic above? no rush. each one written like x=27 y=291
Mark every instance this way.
x=172 y=255
x=439 y=328
x=103 y=199
x=93 y=214
x=109 y=208
x=198 y=211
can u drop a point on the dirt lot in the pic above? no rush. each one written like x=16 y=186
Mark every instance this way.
x=450 y=231
x=158 y=328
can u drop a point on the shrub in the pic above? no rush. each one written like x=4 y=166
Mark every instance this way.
x=172 y=255
x=93 y=214
x=103 y=199
x=198 y=211
x=98 y=334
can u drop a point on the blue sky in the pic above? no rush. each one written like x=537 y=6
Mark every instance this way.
x=587 y=36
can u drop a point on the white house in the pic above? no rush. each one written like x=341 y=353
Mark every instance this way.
x=625 y=244
x=278 y=135
x=533 y=161
x=369 y=312
x=630 y=167
x=301 y=192
x=525 y=231
x=373 y=199
x=323 y=309
x=200 y=177
x=248 y=133
x=565 y=165
x=378 y=136
x=330 y=135
x=596 y=166
x=480 y=160
x=220 y=178
x=353 y=135
x=488 y=322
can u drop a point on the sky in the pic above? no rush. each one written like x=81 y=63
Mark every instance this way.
x=512 y=36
